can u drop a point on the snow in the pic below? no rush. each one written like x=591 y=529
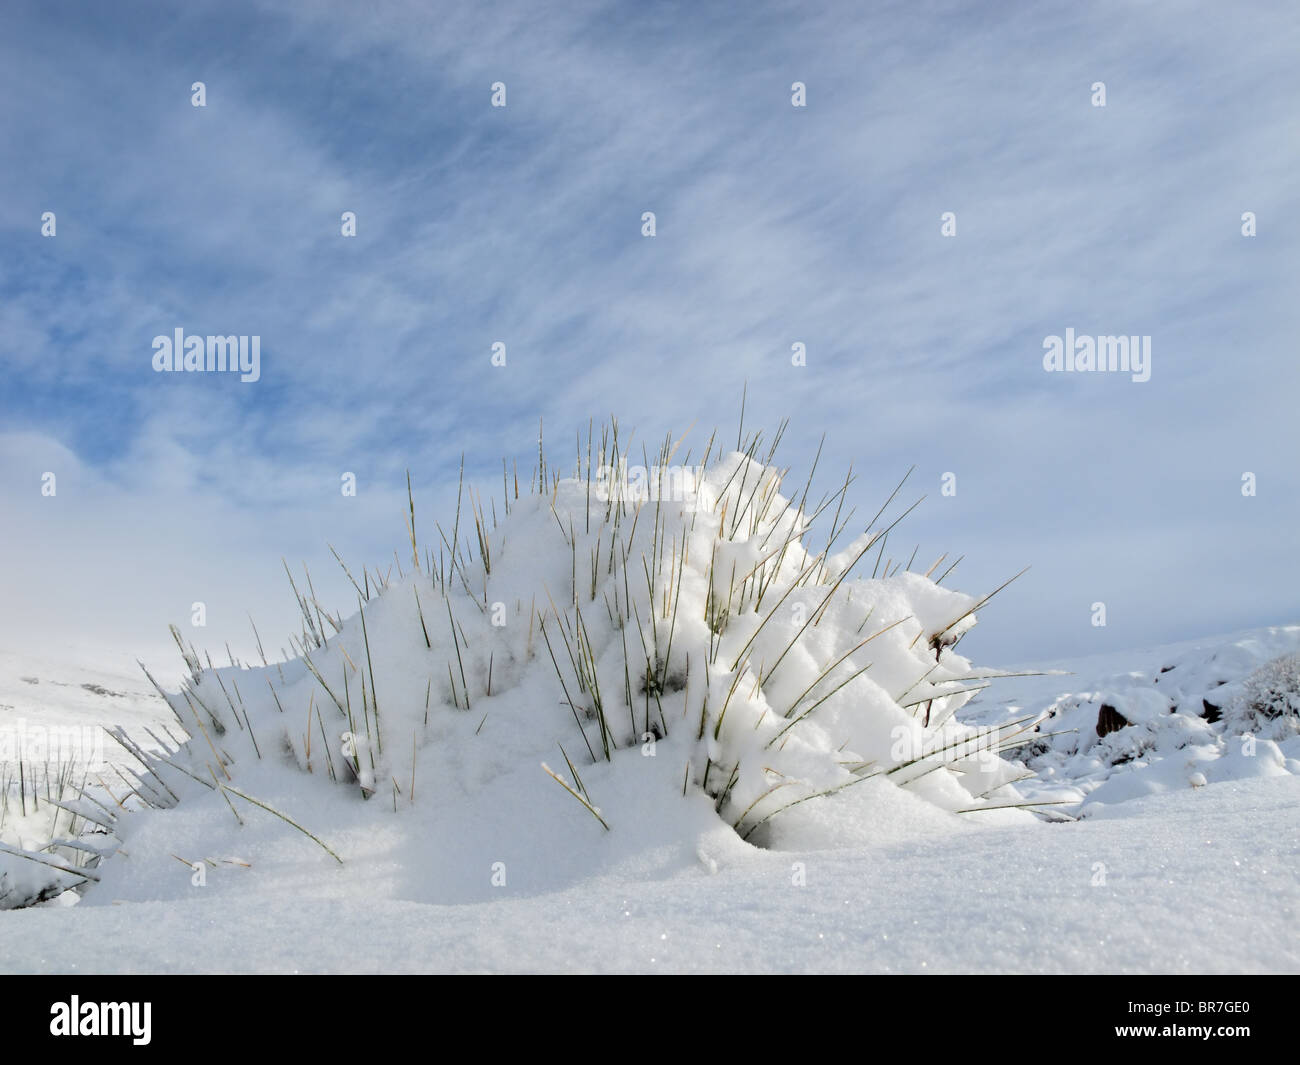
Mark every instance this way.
x=1198 y=882
x=1186 y=705
x=80 y=689
x=696 y=635
x=52 y=741
x=767 y=761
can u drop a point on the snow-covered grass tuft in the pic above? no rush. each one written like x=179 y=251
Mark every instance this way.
x=758 y=645
x=43 y=833
x=1270 y=699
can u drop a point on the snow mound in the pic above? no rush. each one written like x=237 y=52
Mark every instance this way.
x=647 y=656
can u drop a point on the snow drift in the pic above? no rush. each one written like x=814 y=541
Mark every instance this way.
x=628 y=659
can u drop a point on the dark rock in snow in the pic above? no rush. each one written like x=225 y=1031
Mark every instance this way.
x=1110 y=720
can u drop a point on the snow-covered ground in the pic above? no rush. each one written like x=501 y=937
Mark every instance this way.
x=1196 y=882
x=1198 y=879
x=1173 y=718
x=659 y=736
x=53 y=743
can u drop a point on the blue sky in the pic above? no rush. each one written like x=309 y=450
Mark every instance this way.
x=776 y=225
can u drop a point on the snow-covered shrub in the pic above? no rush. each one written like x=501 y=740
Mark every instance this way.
x=693 y=614
x=1274 y=689
x=1269 y=700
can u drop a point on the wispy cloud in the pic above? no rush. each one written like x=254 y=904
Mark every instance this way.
x=819 y=225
